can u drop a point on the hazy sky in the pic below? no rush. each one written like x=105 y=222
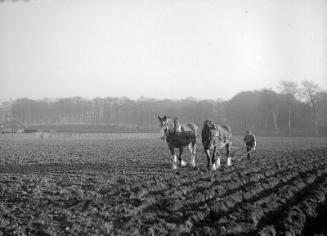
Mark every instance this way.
x=161 y=49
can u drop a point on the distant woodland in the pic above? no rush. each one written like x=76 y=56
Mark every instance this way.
x=293 y=110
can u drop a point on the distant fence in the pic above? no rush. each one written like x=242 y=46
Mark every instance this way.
x=31 y=135
x=296 y=132
x=96 y=128
x=83 y=136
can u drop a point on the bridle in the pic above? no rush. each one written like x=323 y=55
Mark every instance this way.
x=164 y=129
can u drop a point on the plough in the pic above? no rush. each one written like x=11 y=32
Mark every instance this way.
x=236 y=156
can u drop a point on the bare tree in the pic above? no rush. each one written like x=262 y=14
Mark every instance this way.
x=310 y=92
x=269 y=101
x=322 y=104
x=290 y=90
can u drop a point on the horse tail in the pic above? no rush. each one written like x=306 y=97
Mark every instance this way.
x=196 y=131
x=197 y=134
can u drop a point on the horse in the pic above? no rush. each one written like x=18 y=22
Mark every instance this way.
x=215 y=137
x=179 y=136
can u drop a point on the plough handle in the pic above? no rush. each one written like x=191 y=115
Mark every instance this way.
x=246 y=154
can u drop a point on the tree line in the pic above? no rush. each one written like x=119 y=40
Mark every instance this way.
x=294 y=109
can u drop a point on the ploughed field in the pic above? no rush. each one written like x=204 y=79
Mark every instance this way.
x=124 y=185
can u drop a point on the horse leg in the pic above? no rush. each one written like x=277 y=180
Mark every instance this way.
x=183 y=163
x=193 y=156
x=174 y=157
x=229 y=159
x=214 y=166
x=207 y=151
x=192 y=148
x=218 y=160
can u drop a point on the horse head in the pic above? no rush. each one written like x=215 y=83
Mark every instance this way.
x=165 y=126
x=207 y=134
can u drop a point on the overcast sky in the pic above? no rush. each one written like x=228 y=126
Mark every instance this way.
x=161 y=49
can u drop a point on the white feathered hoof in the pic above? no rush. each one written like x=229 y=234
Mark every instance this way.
x=192 y=163
x=174 y=166
x=174 y=162
x=213 y=167
x=218 y=163
x=229 y=161
x=183 y=163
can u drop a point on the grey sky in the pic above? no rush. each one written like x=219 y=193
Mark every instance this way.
x=162 y=49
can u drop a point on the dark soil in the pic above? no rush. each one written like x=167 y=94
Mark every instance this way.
x=127 y=187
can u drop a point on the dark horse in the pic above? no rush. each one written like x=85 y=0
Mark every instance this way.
x=178 y=136
x=215 y=137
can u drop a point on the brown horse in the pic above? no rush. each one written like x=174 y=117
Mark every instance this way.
x=178 y=136
x=215 y=137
